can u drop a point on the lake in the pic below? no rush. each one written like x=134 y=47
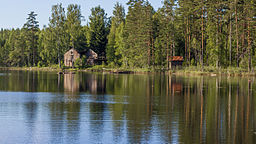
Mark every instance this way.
x=44 y=107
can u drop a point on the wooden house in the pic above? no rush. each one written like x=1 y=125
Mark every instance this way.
x=176 y=61
x=92 y=57
x=70 y=57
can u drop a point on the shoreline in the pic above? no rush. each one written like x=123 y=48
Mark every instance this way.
x=233 y=72
x=30 y=69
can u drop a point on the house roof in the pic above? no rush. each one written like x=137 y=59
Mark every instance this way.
x=176 y=58
x=80 y=52
x=72 y=49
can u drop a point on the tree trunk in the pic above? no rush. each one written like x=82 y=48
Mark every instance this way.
x=187 y=46
x=167 y=53
x=230 y=42
x=249 y=47
x=202 y=54
x=58 y=46
x=22 y=56
x=33 y=49
x=171 y=54
x=237 y=40
x=217 y=41
x=243 y=37
x=153 y=52
x=59 y=57
x=189 y=51
x=149 y=54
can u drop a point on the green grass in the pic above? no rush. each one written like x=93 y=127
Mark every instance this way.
x=32 y=68
x=191 y=70
x=106 y=68
x=209 y=70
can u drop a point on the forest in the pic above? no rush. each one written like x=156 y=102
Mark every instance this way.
x=217 y=33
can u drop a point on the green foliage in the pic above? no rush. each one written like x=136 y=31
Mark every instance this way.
x=73 y=23
x=138 y=33
x=115 y=36
x=98 y=30
x=31 y=36
x=58 y=43
x=78 y=63
x=40 y=64
x=206 y=33
x=166 y=32
x=244 y=62
x=84 y=61
x=76 y=33
x=120 y=51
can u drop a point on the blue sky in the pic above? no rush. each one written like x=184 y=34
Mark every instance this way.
x=13 y=13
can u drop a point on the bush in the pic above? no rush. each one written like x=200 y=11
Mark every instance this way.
x=40 y=64
x=103 y=64
x=111 y=65
x=244 y=63
x=78 y=63
x=84 y=61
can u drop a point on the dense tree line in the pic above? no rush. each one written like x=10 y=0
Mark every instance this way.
x=218 y=33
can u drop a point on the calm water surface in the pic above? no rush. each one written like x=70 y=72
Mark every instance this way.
x=43 y=107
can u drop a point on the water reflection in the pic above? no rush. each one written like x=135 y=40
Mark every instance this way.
x=30 y=109
x=71 y=82
x=154 y=108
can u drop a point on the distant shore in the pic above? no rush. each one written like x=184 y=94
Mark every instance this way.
x=207 y=71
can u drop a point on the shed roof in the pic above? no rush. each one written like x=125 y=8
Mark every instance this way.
x=176 y=58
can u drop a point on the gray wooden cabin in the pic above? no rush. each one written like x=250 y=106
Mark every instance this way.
x=92 y=57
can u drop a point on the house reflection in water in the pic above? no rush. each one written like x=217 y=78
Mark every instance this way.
x=92 y=83
x=82 y=82
x=95 y=84
x=71 y=83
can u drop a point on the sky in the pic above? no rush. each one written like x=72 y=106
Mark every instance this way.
x=13 y=13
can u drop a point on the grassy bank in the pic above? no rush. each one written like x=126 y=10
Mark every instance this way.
x=213 y=71
x=31 y=68
x=192 y=70
x=101 y=68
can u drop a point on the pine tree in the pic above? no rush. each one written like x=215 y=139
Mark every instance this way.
x=250 y=9
x=138 y=33
x=32 y=29
x=167 y=29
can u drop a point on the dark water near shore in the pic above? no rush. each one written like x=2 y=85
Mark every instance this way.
x=43 y=107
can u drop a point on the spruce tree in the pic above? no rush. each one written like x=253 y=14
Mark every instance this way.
x=117 y=19
x=98 y=30
x=73 y=24
x=32 y=29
